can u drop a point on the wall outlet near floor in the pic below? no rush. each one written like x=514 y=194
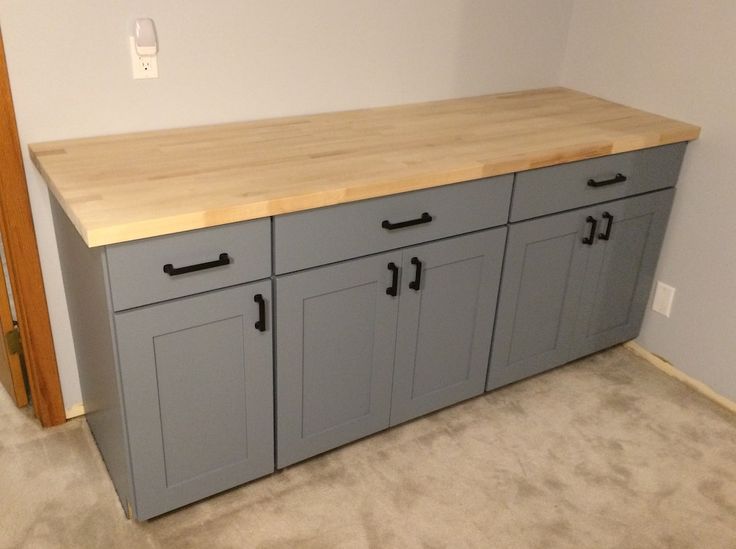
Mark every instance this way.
x=664 y=295
x=144 y=66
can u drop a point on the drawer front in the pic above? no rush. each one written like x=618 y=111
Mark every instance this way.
x=564 y=187
x=335 y=233
x=137 y=275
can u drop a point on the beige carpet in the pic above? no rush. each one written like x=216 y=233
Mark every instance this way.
x=605 y=452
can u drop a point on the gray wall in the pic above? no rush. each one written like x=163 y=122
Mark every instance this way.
x=244 y=59
x=676 y=58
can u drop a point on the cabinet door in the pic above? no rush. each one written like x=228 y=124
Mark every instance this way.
x=620 y=270
x=445 y=322
x=542 y=278
x=335 y=353
x=198 y=390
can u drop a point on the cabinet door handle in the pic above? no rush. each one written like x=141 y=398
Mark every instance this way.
x=618 y=178
x=593 y=226
x=170 y=270
x=607 y=234
x=415 y=285
x=393 y=290
x=425 y=218
x=261 y=324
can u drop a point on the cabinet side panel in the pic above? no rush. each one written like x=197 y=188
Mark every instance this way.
x=85 y=284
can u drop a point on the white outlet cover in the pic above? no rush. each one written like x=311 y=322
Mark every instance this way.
x=144 y=66
x=664 y=295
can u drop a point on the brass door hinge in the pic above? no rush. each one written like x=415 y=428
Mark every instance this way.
x=12 y=340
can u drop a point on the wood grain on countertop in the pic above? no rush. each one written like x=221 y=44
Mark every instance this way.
x=126 y=187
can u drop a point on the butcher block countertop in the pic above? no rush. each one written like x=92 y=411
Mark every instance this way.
x=126 y=187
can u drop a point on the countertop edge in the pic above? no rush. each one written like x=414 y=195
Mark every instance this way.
x=190 y=221
x=360 y=188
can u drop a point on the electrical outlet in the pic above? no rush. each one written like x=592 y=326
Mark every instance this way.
x=144 y=66
x=664 y=295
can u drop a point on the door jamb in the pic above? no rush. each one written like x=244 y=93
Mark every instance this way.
x=24 y=266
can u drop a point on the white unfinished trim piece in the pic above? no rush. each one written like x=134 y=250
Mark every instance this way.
x=670 y=370
x=74 y=411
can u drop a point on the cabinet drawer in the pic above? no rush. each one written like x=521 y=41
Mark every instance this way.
x=137 y=275
x=566 y=186
x=335 y=233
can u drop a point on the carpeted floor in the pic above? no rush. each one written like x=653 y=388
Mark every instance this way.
x=605 y=452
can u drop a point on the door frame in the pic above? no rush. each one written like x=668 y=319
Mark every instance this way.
x=24 y=266
x=14 y=380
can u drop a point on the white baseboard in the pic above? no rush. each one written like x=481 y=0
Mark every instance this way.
x=74 y=411
x=670 y=370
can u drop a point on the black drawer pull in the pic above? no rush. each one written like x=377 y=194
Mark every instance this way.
x=393 y=290
x=607 y=234
x=593 y=226
x=619 y=178
x=261 y=324
x=417 y=274
x=170 y=270
x=425 y=218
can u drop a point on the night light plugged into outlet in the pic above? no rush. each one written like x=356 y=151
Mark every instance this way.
x=143 y=50
x=664 y=295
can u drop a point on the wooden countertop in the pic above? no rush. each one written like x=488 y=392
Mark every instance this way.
x=132 y=186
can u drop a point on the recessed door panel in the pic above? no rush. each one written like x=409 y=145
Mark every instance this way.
x=335 y=353
x=542 y=278
x=620 y=271
x=445 y=322
x=197 y=380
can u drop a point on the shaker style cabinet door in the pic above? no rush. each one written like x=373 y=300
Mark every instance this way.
x=446 y=311
x=336 y=330
x=620 y=270
x=198 y=391
x=541 y=283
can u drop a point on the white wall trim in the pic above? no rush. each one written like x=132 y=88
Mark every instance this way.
x=75 y=411
x=670 y=370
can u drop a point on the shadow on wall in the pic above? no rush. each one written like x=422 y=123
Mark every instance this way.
x=509 y=46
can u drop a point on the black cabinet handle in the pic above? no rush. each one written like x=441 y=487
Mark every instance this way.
x=425 y=218
x=607 y=234
x=415 y=285
x=593 y=226
x=618 y=178
x=393 y=290
x=170 y=270
x=261 y=324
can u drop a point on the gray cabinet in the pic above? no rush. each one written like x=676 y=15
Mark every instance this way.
x=335 y=352
x=540 y=288
x=620 y=271
x=179 y=381
x=136 y=268
x=326 y=235
x=562 y=298
x=596 y=180
x=197 y=386
x=176 y=376
x=446 y=322
x=352 y=358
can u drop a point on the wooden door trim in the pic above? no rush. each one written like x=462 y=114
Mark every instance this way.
x=17 y=386
x=24 y=266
